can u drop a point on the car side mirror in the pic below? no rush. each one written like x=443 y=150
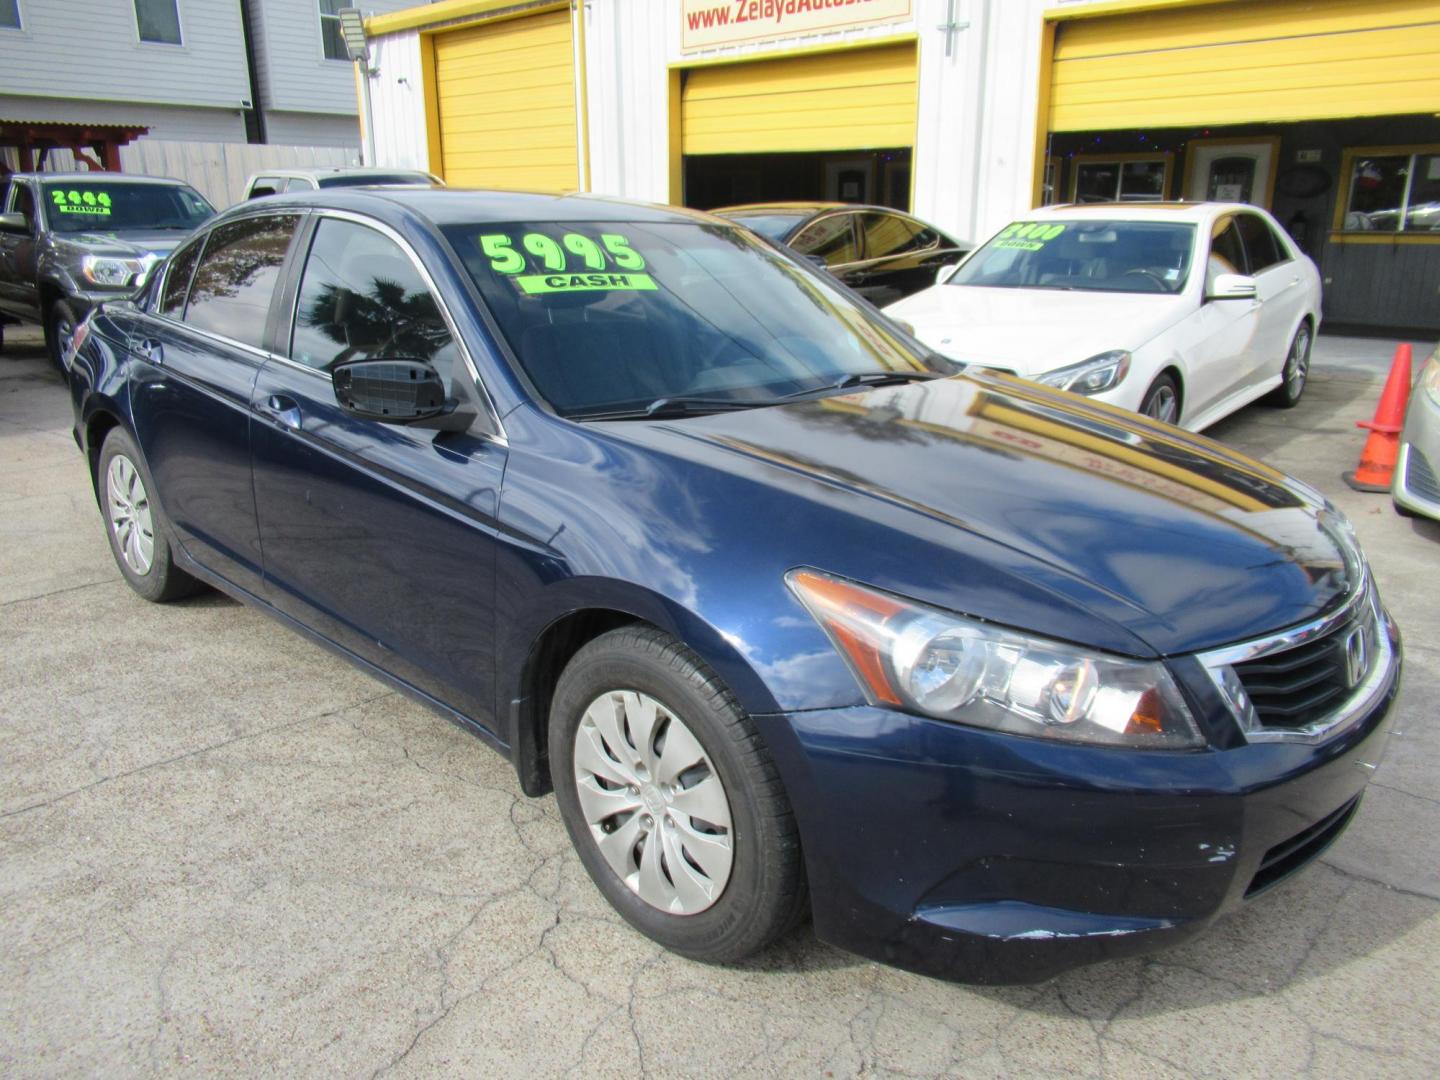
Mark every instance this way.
x=398 y=391
x=1231 y=287
x=14 y=223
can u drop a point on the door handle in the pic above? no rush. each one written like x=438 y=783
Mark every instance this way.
x=149 y=349
x=283 y=409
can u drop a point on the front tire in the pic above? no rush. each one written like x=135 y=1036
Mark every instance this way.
x=140 y=537
x=1295 y=371
x=671 y=799
x=60 y=326
x=1162 y=400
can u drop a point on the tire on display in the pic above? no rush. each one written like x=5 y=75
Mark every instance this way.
x=60 y=323
x=671 y=798
x=140 y=537
x=1295 y=371
x=1162 y=400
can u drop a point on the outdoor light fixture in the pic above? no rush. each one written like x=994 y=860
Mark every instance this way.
x=352 y=31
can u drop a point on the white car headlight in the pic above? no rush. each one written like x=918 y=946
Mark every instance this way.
x=111 y=272
x=1102 y=372
x=1430 y=377
x=917 y=658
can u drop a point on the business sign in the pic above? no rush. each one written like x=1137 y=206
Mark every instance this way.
x=707 y=24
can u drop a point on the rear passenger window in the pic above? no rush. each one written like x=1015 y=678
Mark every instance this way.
x=361 y=298
x=891 y=234
x=236 y=278
x=1260 y=243
x=831 y=238
x=177 y=278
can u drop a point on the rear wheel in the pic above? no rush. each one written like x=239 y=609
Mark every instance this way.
x=1162 y=401
x=1295 y=371
x=140 y=537
x=671 y=799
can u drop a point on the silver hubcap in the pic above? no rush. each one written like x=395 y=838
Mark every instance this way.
x=130 y=514
x=1297 y=364
x=654 y=802
x=1163 y=405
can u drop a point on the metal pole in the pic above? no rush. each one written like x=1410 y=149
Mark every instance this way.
x=367 y=139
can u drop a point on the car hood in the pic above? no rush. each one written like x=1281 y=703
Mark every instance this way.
x=1031 y=331
x=129 y=244
x=972 y=491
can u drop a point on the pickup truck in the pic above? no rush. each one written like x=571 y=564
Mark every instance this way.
x=70 y=241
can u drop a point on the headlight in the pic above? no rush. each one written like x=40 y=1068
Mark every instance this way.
x=110 y=272
x=917 y=658
x=1430 y=377
x=1096 y=375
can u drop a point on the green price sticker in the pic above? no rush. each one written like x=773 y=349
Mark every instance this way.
x=574 y=263
x=1027 y=236
x=94 y=204
x=533 y=284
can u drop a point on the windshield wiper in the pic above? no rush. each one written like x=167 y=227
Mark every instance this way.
x=870 y=378
x=667 y=407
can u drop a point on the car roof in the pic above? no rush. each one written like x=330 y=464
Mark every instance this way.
x=92 y=177
x=461 y=206
x=338 y=170
x=1141 y=211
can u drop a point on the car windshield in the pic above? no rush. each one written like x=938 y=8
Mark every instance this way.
x=366 y=179
x=618 y=318
x=771 y=226
x=117 y=206
x=1108 y=256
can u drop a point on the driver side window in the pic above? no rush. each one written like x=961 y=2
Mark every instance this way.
x=361 y=298
x=24 y=204
x=1227 y=253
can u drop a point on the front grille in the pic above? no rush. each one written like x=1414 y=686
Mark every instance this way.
x=1298 y=686
x=1285 y=858
x=1419 y=476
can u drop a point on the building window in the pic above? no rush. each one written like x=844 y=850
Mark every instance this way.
x=1392 y=189
x=9 y=14
x=159 y=21
x=330 y=35
x=1132 y=178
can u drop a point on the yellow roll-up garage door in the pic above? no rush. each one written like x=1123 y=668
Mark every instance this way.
x=506 y=96
x=853 y=99
x=1245 y=63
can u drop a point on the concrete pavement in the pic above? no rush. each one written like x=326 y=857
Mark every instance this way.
x=225 y=852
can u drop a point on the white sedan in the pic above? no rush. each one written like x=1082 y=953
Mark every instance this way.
x=1182 y=311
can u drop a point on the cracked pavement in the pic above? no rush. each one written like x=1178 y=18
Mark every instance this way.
x=223 y=851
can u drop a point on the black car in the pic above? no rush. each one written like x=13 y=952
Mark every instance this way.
x=882 y=254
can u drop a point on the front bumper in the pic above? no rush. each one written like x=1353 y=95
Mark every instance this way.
x=989 y=858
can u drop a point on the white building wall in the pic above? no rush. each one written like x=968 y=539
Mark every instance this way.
x=975 y=131
x=397 y=96
x=313 y=129
x=164 y=121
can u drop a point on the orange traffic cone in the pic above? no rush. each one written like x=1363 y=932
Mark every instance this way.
x=1377 y=460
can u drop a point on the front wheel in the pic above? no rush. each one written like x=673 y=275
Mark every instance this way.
x=1162 y=401
x=60 y=327
x=1294 y=373
x=671 y=799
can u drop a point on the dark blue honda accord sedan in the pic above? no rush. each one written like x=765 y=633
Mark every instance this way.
x=794 y=616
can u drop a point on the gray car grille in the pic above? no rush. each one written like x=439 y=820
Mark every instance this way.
x=1419 y=476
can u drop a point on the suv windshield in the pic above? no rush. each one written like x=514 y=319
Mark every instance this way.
x=117 y=206
x=1110 y=256
x=612 y=318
